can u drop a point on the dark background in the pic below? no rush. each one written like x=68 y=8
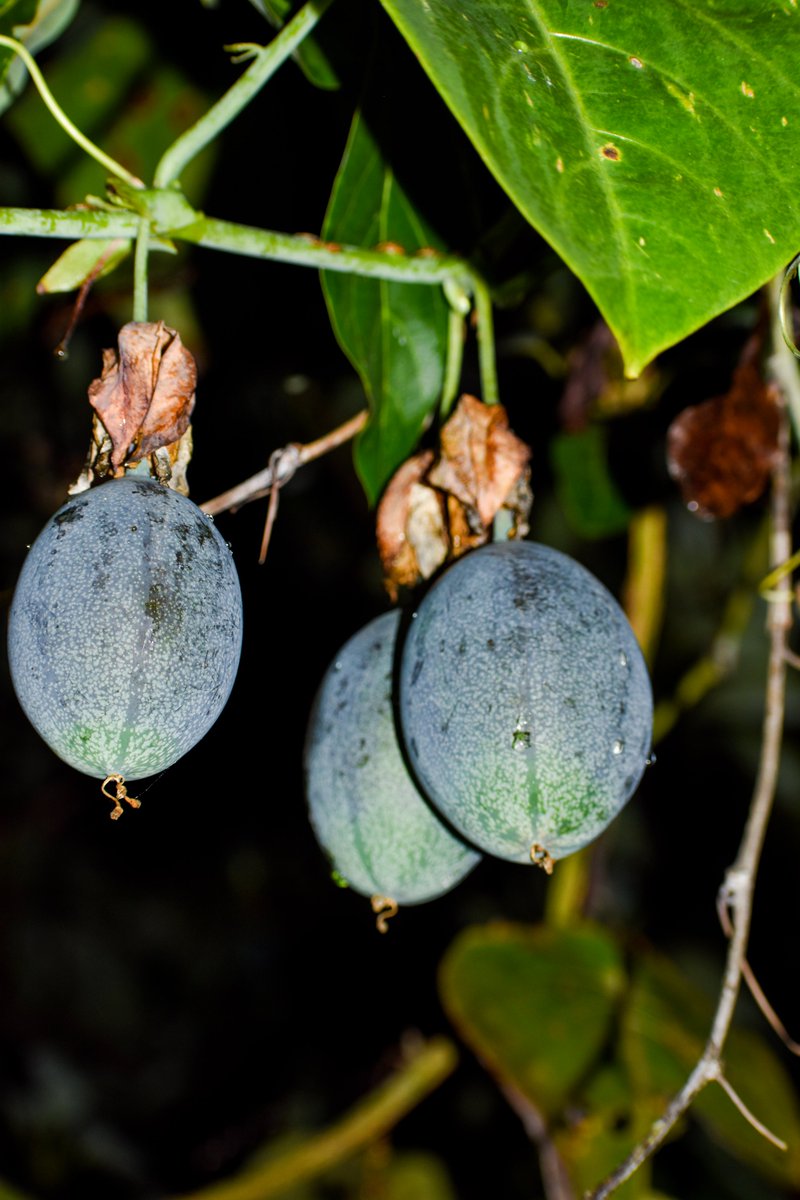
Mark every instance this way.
x=181 y=986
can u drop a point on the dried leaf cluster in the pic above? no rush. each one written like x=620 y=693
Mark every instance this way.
x=440 y=504
x=721 y=452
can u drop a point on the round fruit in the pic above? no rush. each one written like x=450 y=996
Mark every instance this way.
x=524 y=702
x=125 y=629
x=381 y=835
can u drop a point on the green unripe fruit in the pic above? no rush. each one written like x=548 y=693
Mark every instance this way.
x=524 y=702
x=125 y=629
x=380 y=834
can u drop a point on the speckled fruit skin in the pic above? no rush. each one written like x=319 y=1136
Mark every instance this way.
x=380 y=834
x=125 y=629
x=524 y=701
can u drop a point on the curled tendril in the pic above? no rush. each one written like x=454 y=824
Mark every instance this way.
x=119 y=794
x=384 y=908
x=63 y=120
x=540 y=858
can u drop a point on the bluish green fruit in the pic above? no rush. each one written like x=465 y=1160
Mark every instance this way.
x=125 y=629
x=381 y=835
x=524 y=701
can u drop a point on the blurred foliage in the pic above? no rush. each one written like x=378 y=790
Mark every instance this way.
x=185 y=988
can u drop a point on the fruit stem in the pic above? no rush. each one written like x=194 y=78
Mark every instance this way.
x=140 y=264
x=487 y=359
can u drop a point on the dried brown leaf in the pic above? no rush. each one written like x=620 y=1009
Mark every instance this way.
x=480 y=459
x=721 y=452
x=145 y=395
x=436 y=508
x=410 y=526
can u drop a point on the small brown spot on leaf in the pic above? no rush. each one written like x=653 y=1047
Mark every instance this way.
x=747 y=90
x=144 y=397
x=636 y=62
x=611 y=152
x=601 y=3
x=560 y=166
x=718 y=192
x=721 y=452
x=784 y=121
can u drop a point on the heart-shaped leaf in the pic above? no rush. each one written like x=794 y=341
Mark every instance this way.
x=655 y=145
x=534 y=1003
x=395 y=334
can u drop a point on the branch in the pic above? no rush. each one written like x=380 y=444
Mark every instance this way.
x=283 y=466
x=555 y=1180
x=736 y=893
x=303 y=250
x=367 y=1121
x=263 y=67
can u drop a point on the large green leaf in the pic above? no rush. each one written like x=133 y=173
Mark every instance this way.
x=535 y=1003
x=666 y=1023
x=655 y=145
x=395 y=334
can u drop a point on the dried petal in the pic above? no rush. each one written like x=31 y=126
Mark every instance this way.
x=410 y=526
x=145 y=397
x=481 y=459
x=721 y=452
x=438 y=508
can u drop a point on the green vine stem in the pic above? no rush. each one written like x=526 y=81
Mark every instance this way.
x=63 y=120
x=140 y=260
x=453 y=361
x=302 y=250
x=369 y=1120
x=263 y=66
x=487 y=358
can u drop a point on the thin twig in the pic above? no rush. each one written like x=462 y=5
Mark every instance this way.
x=756 y=991
x=62 y=349
x=555 y=1180
x=272 y=507
x=751 y=1119
x=736 y=893
x=288 y=460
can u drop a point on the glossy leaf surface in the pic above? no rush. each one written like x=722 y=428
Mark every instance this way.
x=395 y=334
x=655 y=146
x=534 y=1003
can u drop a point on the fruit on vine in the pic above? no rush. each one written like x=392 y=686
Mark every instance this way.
x=380 y=834
x=524 y=702
x=125 y=628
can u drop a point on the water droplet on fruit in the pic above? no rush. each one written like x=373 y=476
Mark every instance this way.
x=337 y=666
x=521 y=738
x=618 y=746
x=623 y=659
x=651 y=759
